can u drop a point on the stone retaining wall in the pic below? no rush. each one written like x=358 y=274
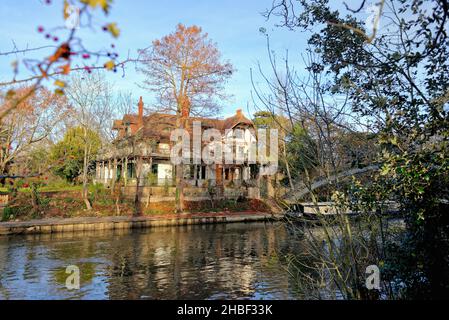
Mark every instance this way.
x=46 y=226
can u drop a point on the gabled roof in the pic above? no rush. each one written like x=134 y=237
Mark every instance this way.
x=238 y=118
x=159 y=125
x=117 y=124
x=130 y=118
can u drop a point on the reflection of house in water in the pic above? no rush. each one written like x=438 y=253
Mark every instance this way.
x=142 y=152
x=198 y=262
x=191 y=262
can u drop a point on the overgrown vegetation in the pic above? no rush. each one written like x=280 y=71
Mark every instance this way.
x=388 y=86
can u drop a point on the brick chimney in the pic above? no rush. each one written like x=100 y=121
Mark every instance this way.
x=239 y=112
x=140 y=119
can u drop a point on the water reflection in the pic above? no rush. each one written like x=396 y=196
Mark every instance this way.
x=227 y=261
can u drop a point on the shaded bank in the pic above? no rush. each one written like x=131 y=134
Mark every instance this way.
x=123 y=222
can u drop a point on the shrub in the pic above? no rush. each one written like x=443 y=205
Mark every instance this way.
x=152 y=179
x=7 y=213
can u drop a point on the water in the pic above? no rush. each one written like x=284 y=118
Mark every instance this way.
x=223 y=261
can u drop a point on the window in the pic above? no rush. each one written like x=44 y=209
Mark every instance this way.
x=127 y=129
x=163 y=148
x=203 y=172
x=254 y=171
x=119 y=172
x=154 y=168
x=130 y=173
x=227 y=174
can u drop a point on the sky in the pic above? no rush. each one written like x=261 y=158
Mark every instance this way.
x=234 y=25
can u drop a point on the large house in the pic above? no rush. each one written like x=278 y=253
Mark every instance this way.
x=141 y=154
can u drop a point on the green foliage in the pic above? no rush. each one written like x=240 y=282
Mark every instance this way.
x=68 y=154
x=7 y=214
x=97 y=188
x=301 y=150
x=166 y=187
x=398 y=79
x=100 y=195
x=58 y=184
x=13 y=211
x=268 y=120
x=38 y=159
x=152 y=178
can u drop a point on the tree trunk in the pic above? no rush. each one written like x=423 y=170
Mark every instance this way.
x=179 y=188
x=287 y=167
x=125 y=171
x=114 y=175
x=137 y=204
x=118 y=196
x=149 y=188
x=85 y=168
x=35 y=198
x=181 y=124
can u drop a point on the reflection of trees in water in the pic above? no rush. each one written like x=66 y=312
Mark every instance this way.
x=34 y=266
x=209 y=261
x=331 y=262
x=195 y=262
x=5 y=255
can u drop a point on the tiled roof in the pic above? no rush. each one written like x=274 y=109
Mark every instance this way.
x=159 y=125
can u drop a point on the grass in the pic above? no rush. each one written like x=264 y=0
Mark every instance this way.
x=67 y=202
x=48 y=189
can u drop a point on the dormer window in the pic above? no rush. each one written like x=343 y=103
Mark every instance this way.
x=127 y=128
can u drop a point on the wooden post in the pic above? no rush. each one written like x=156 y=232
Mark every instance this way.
x=125 y=171
x=149 y=187
x=195 y=174
x=109 y=171
x=114 y=175
x=102 y=171
x=138 y=168
x=258 y=184
x=270 y=188
x=97 y=170
x=223 y=175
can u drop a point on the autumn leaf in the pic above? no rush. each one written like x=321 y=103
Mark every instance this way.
x=109 y=65
x=62 y=52
x=113 y=29
x=10 y=93
x=66 y=10
x=65 y=69
x=59 y=92
x=104 y=4
x=60 y=83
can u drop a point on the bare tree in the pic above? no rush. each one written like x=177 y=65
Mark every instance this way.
x=337 y=249
x=91 y=99
x=31 y=122
x=185 y=70
x=68 y=46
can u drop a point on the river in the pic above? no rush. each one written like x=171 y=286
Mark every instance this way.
x=222 y=261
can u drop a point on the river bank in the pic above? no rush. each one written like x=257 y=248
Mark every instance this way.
x=57 y=225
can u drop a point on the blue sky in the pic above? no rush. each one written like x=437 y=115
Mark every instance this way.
x=233 y=25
